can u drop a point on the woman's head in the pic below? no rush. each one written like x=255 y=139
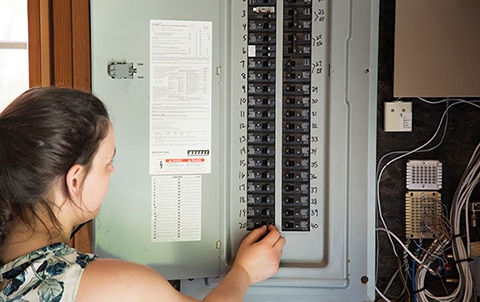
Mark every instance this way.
x=43 y=133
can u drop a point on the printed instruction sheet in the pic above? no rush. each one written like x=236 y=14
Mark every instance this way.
x=180 y=97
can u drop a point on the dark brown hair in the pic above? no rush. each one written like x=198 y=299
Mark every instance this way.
x=43 y=132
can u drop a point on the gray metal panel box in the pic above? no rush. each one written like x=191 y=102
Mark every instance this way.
x=253 y=135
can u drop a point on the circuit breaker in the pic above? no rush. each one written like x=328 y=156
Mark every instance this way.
x=231 y=115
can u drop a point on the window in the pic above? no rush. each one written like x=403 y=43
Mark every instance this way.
x=13 y=50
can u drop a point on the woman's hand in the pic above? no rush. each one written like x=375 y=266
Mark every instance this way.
x=260 y=257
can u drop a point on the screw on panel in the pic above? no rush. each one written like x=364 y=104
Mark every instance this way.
x=364 y=279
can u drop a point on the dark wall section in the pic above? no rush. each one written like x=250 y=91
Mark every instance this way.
x=461 y=136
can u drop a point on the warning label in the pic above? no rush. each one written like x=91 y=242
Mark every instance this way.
x=181 y=165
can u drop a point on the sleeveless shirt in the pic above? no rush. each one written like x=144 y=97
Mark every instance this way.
x=49 y=274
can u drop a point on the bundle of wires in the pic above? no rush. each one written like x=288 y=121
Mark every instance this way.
x=421 y=266
x=460 y=248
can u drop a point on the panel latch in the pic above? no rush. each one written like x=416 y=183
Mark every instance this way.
x=121 y=70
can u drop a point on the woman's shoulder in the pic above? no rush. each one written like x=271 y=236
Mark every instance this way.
x=116 y=279
x=52 y=271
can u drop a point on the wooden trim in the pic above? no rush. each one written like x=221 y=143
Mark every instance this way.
x=39 y=43
x=81 y=45
x=62 y=43
x=45 y=42
x=34 y=49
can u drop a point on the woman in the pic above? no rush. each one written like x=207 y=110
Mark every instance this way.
x=56 y=151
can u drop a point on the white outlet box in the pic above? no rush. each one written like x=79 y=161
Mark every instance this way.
x=398 y=117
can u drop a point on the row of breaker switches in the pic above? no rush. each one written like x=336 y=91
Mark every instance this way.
x=261 y=113
x=261 y=116
x=296 y=85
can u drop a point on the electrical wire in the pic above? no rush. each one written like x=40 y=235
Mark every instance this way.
x=403 y=154
x=398 y=273
x=463 y=292
x=394 y=236
x=382 y=295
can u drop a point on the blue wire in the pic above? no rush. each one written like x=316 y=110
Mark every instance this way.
x=413 y=282
x=417 y=250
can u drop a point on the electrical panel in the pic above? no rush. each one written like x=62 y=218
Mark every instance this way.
x=235 y=114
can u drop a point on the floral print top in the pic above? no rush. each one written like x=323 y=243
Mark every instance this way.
x=49 y=274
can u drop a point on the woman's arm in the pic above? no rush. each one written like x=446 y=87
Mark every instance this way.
x=117 y=280
x=256 y=261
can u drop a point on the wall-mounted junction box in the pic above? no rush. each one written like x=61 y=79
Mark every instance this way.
x=398 y=116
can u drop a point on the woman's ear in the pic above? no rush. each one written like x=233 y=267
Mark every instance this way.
x=74 y=180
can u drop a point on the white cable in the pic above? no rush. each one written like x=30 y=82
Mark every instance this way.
x=465 y=280
x=464 y=288
x=397 y=158
x=381 y=295
x=387 y=287
x=404 y=247
x=379 y=176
